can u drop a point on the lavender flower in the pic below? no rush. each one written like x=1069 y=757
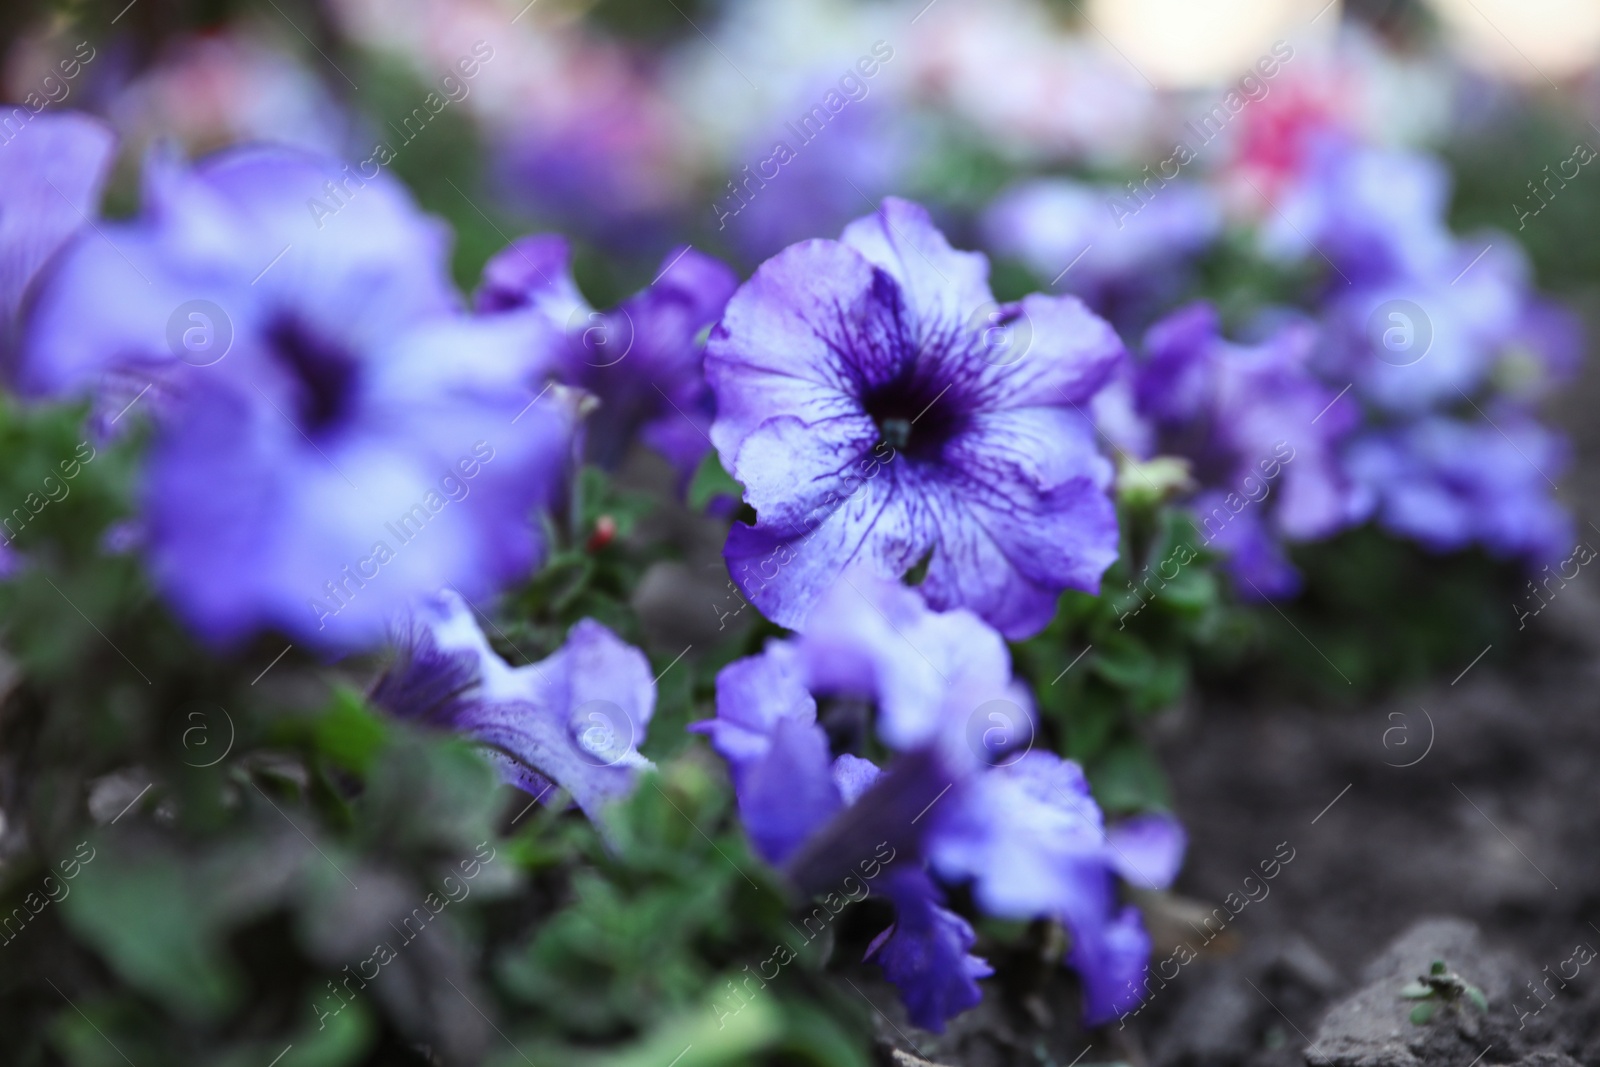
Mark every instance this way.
x=51 y=174
x=642 y=359
x=879 y=407
x=1020 y=825
x=335 y=437
x=571 y=721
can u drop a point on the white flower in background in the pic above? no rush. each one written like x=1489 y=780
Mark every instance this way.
x=1031 y=84
x=767 y=57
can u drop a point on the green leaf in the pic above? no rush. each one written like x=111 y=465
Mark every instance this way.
x=1479 y=1001
x=349 y=733
x=711 y=481
x=158 y=929
x=675 y=709
x=1164 y=684
x=1123 y=660
x=1194 y=589
x=703 y=1039
x=1128 y=778
x=818 y=1038
x=340 y=1039
x=1416 y=990
x=1424 y=1012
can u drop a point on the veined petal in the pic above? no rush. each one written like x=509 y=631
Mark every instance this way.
x=1055 y=352
x=784 y=570
x=574 y=718
x=812 y=329
x=943 y=288
x=1020 y=520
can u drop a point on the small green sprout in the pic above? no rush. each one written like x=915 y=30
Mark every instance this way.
x=1441 y=987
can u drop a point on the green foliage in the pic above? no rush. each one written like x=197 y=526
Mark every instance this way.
x=593 y=569
x=1235 y=277
x=661 y=922
x=712 y=481
x=1377 y=613
x=1107 y=662
x=271 y=863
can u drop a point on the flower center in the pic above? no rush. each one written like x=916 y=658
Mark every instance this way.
x=896 y=433
x=914 y=417
x=324 y=375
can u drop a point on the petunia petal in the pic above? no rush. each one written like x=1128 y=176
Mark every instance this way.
x=925 y=953
x=1110 y=959
x=573 y=719
x=1020 y=519
x=944 y=289
x=535 y=273
x=812 y=328
x=55 y=166
x=1147 y=849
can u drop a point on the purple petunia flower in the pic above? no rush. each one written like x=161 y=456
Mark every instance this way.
x=51 y=172
x=336 y=438
x=1450 y=484
x=1256 y=423
x=1416 y=317
x=642 y=359
x=1121 y=255
x=880 y=408
x=1416 y=342
x=925 y=953
x=572 y=721
x=1032 y=840
x=1420 y=323
x=787 y=194
x=1375 y=213
x=962 y=797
